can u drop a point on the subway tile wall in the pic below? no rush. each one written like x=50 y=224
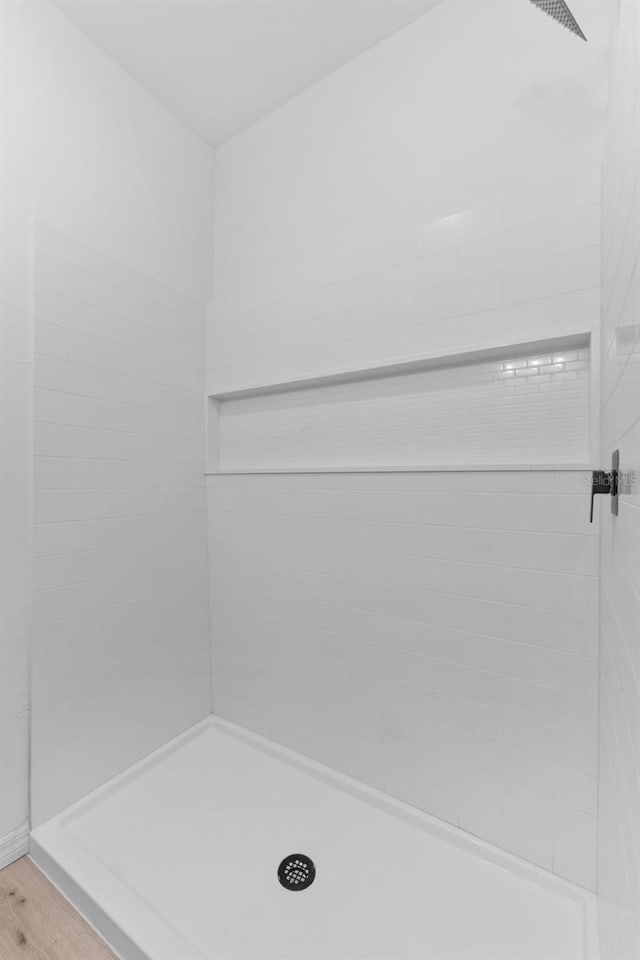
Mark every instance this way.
x=121 y=653
x=524 y=268
x=619 y=833
x=434 y=635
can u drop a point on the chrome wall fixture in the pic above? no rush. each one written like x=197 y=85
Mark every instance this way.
x=607 y=482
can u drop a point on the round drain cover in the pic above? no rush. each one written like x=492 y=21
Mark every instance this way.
x=296 y=872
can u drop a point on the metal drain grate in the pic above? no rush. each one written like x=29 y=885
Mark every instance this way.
x=296 y=872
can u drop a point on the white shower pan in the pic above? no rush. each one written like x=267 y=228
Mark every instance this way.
x=177 y=859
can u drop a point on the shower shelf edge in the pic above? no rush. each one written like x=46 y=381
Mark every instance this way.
x=426 y=468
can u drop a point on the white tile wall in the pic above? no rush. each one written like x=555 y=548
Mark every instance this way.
x=619 y=834
x=522 y=409
x=432 y=634
x=120 y=638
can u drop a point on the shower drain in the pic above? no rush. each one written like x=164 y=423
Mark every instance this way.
x=296 y=872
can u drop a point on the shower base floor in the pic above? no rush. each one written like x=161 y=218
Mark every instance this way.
x=177 y=859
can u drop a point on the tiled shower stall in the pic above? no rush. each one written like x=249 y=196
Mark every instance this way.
x=299 y=432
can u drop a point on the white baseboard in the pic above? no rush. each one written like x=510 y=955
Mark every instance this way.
x=14 y=845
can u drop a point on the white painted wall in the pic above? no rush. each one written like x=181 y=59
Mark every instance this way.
x=16 y=349
x=433 y=634
x=619 y=839
x=130 y=190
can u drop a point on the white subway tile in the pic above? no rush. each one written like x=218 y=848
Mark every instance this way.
x=575 y=866
x=575 y=789
x=566 y=273
x=543 y=238
x=51 y=341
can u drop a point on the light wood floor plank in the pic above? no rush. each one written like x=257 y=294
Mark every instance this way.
x=37 y=923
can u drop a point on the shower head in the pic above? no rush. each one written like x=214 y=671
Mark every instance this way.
x=559 y=10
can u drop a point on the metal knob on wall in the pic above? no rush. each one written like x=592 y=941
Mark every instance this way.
x=606 y=481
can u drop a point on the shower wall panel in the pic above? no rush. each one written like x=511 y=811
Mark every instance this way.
x=120 y=636
x=434 y=634
x=619 y=838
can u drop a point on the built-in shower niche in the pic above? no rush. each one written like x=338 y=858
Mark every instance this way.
x=515 y=406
